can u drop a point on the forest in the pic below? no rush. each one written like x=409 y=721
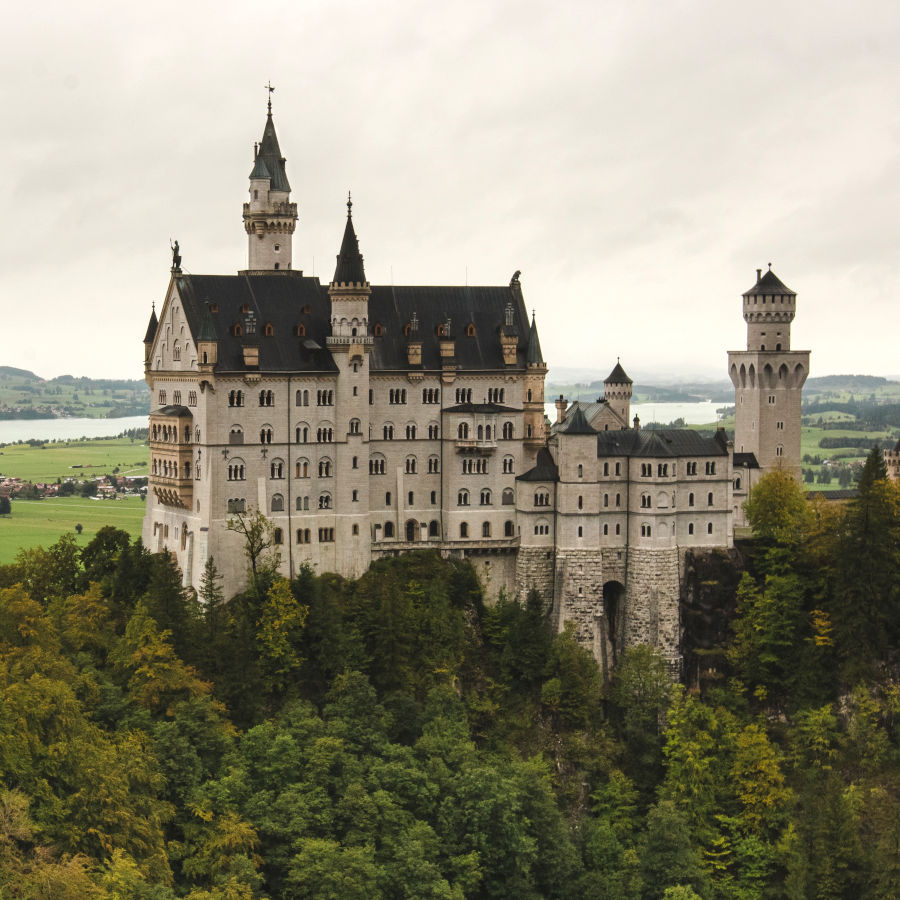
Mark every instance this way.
x=397 y=737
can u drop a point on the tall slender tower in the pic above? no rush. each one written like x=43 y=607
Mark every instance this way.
x=768 y=378
x=269 y=217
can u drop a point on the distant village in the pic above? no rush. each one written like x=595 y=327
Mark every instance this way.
x=103 y=487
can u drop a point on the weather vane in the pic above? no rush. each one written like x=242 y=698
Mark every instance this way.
x=270 y=89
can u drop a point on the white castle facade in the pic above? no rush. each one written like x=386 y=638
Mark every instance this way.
x=369 y=420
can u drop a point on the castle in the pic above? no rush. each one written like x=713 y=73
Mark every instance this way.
x=369 y=420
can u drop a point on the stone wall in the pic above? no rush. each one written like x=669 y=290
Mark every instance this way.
x=652 y=594
x=534 y=569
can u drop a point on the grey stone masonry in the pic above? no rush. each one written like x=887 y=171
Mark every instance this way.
x=534 y=569
x=652 y=592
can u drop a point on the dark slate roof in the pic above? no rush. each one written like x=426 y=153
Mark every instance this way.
x=260 y=169
x=666 y=442
x=349 y=269
x=534 y=345
x=206 y=330
x=174 y=410
x=280 y=297
x=575 y=423
x=480 y=408
x=392 y=306
x=152 y=325
x=770 y=284
x=270 y=153
x=745 y=461
x=277 y=299
x=617 y=376
x=544 y=470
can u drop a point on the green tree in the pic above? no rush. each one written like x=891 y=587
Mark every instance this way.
x=777 y=509
x=263 y=557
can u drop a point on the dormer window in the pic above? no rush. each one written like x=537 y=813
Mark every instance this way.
x=300 y=330
x=379 y=329
x=213 y=307
x=470 y=329
x=238 y=330
x=407 y=329
x=270 y=330
x=307 y=310
x=441 y=331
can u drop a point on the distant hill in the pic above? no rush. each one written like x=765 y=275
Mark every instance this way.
x=25 y=395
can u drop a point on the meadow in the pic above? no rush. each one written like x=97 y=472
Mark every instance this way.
x=74 y=459
x=35 y=523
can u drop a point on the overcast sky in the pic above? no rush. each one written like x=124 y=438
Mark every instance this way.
x=637 y=161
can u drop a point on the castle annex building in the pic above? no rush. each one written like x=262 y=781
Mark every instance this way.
x=368 y=420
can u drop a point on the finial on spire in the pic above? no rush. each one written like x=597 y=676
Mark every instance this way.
x=770 y=267
x=270 y=89
x=349 y=204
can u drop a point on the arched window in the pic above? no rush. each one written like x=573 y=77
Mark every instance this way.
x=509 y=528
x=276 y=469
x=709 y=528
x=354 y=426
x=462 y=498
x=388 y=432
x=508 y=498
x=236 y=435
x=265 y=434
x=709 y=499
x=690 y=527
x=269 y=329
x=325 y=501
x=325 y=468
x=277 y=503
x=690 y=499
x=434 y=528
x=480 y=433
x=463 y=431
x=301 y=469
x=463 y=529
x=410 y=465
x=379 y=329
x=377 y=465
x=302 y=433
x=410 y=432
x=238 y=330
x=434 y=465
x=486 y=529
x=470 y=329
x=485 y=497
x=388 y=529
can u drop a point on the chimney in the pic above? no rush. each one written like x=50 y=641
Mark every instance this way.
x=561 y=407
x=758 y=275
x=637 y=423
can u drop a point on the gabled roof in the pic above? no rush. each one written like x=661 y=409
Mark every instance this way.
x=349 y=269
x=770 y=284
x=270 y=154
x=280 y=298
x=617 y=376
x=152 y=326
x=534 y=356
x=664 y=443
x=544 y=470
x=206 y=330
x=575 y=423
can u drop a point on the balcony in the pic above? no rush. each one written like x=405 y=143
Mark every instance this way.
x=177 y=492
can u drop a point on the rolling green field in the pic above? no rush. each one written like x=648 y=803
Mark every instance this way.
x=41 y=522
x=74 y=459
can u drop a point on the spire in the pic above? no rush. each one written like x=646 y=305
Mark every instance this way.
x=152 y=325
x=269 y=163
x=534 y=357
x=349 y=269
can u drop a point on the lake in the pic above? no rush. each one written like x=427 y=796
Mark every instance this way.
x=12 y=430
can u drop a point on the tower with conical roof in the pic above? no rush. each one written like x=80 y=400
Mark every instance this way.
x=269 y=217
x=617 y=389
x=768 y=378
x=535 y=371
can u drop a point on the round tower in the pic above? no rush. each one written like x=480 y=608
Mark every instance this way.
x=617 y=389
x=269 y=217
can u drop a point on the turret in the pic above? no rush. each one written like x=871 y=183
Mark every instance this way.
x=150 y=336
x=617 y=390
x=349 y=291
x=536 y=369
x=269 y=217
